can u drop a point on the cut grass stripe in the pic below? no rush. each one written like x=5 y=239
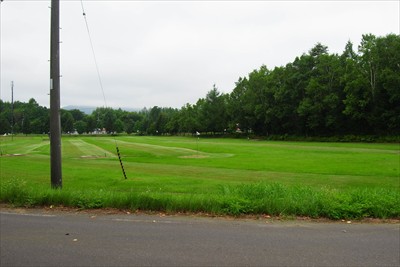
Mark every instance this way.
x=86 y=150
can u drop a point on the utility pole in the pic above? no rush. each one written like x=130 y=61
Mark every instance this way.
x=12 y=110
x=55 y=121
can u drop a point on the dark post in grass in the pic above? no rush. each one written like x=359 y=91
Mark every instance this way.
x=55 y=122
x=12 y=110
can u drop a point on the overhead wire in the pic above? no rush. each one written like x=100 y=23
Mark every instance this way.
x=94 y=54
x=101 y=84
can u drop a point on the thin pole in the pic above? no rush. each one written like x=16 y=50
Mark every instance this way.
x=12 y=110
x=55 y=121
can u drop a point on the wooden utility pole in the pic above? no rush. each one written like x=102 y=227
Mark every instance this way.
x=55 y=121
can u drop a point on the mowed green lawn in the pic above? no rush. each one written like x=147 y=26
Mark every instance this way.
x=205 y=166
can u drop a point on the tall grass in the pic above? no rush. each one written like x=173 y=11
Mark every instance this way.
x=258 y=198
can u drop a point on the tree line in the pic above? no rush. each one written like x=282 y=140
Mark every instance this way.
x=318 y=94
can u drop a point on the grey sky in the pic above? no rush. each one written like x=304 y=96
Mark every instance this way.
x=169 y=53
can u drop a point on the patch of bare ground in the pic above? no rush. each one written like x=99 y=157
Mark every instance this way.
x=194 y=157
x=13 y=155
x=259 y=217
x=91 y=157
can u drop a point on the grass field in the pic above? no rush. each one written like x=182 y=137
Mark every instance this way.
x=221 y=176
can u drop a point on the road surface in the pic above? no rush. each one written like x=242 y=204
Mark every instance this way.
x=42 y=238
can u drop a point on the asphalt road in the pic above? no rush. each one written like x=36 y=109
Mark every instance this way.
x=38 y=238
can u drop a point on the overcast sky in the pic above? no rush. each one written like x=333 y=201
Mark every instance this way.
x=169 y=53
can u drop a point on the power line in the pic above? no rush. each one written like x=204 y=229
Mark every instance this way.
x=94 y=54
x=101 y=83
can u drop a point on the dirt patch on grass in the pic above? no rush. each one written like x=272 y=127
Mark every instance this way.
x=194 y=157
x=13 y=155
x=92 y=157
x=206 y=155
